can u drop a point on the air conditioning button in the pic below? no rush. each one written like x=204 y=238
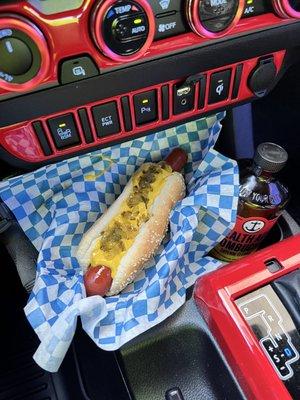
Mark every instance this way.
x=169 y=25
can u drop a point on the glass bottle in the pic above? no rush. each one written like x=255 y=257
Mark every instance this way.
x=262 y=199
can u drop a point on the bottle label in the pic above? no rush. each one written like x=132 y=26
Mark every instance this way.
x=245 y=238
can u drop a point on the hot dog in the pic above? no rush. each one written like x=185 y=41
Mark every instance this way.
x=115 y=249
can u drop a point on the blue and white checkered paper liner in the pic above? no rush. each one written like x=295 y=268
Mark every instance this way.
x=56 y=204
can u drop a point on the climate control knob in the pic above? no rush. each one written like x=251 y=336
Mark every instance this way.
x=24 y=55
x=287 y=8
x=214 y=18
x=15 y=56
x=124 y=30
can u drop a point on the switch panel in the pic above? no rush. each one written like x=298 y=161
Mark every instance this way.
x=135 y=113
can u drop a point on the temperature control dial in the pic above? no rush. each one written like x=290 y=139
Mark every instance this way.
x=124 y=30
x=287 y=8
x=24 y=56
x=214 y=18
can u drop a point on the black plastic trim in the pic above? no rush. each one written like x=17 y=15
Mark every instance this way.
x=40 y=133
x=82 y=113
x=165 y=102
x=150 y=73
x=126 y=113
x=202 y=91
x=237 y=81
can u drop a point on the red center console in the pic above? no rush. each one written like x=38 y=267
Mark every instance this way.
x=252 y=308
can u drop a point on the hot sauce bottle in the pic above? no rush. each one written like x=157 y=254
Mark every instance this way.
x=262 y=199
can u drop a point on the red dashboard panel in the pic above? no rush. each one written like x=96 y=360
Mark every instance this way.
x=38 y=145
x=46 y=45
x=69 y=34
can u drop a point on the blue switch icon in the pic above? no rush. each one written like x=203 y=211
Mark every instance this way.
x=288 y=352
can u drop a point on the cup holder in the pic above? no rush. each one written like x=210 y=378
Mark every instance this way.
x=285 y=228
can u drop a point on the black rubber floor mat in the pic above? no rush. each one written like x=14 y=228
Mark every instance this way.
x=20 y=377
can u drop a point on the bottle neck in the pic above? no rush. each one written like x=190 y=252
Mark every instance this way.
x=260 y=173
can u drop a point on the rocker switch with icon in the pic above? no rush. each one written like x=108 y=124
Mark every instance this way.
x=64 y=131
x=145 y=107
x=219 y=86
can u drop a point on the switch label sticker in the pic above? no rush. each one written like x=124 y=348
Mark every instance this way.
x=220 y=87
x=165 y=4
x=64 y=134
x=166 y=27
x=274 y=340
x=79 y=71
x=107 y=121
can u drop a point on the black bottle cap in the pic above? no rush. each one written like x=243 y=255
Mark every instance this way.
x=270 y=157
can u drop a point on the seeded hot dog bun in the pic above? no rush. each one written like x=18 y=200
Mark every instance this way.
x=150 y=233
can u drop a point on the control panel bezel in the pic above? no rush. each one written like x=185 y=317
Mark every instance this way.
x=31 y=145
x=80 y=25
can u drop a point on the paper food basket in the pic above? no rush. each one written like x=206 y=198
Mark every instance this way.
x=56 y=204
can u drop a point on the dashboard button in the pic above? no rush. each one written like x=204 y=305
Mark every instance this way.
x=257 y=7
x=78 y=68
x=219 y=86
x=163 y=6
x=169 y=25
x=130 y=28
x=15 y=56
x=64 y=131
x=106 y=119
x=145 y=107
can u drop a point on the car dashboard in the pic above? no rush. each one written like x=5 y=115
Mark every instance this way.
x=83 y=75
x=90 y=85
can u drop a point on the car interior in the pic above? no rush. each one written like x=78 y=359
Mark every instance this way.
x=78 y=76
